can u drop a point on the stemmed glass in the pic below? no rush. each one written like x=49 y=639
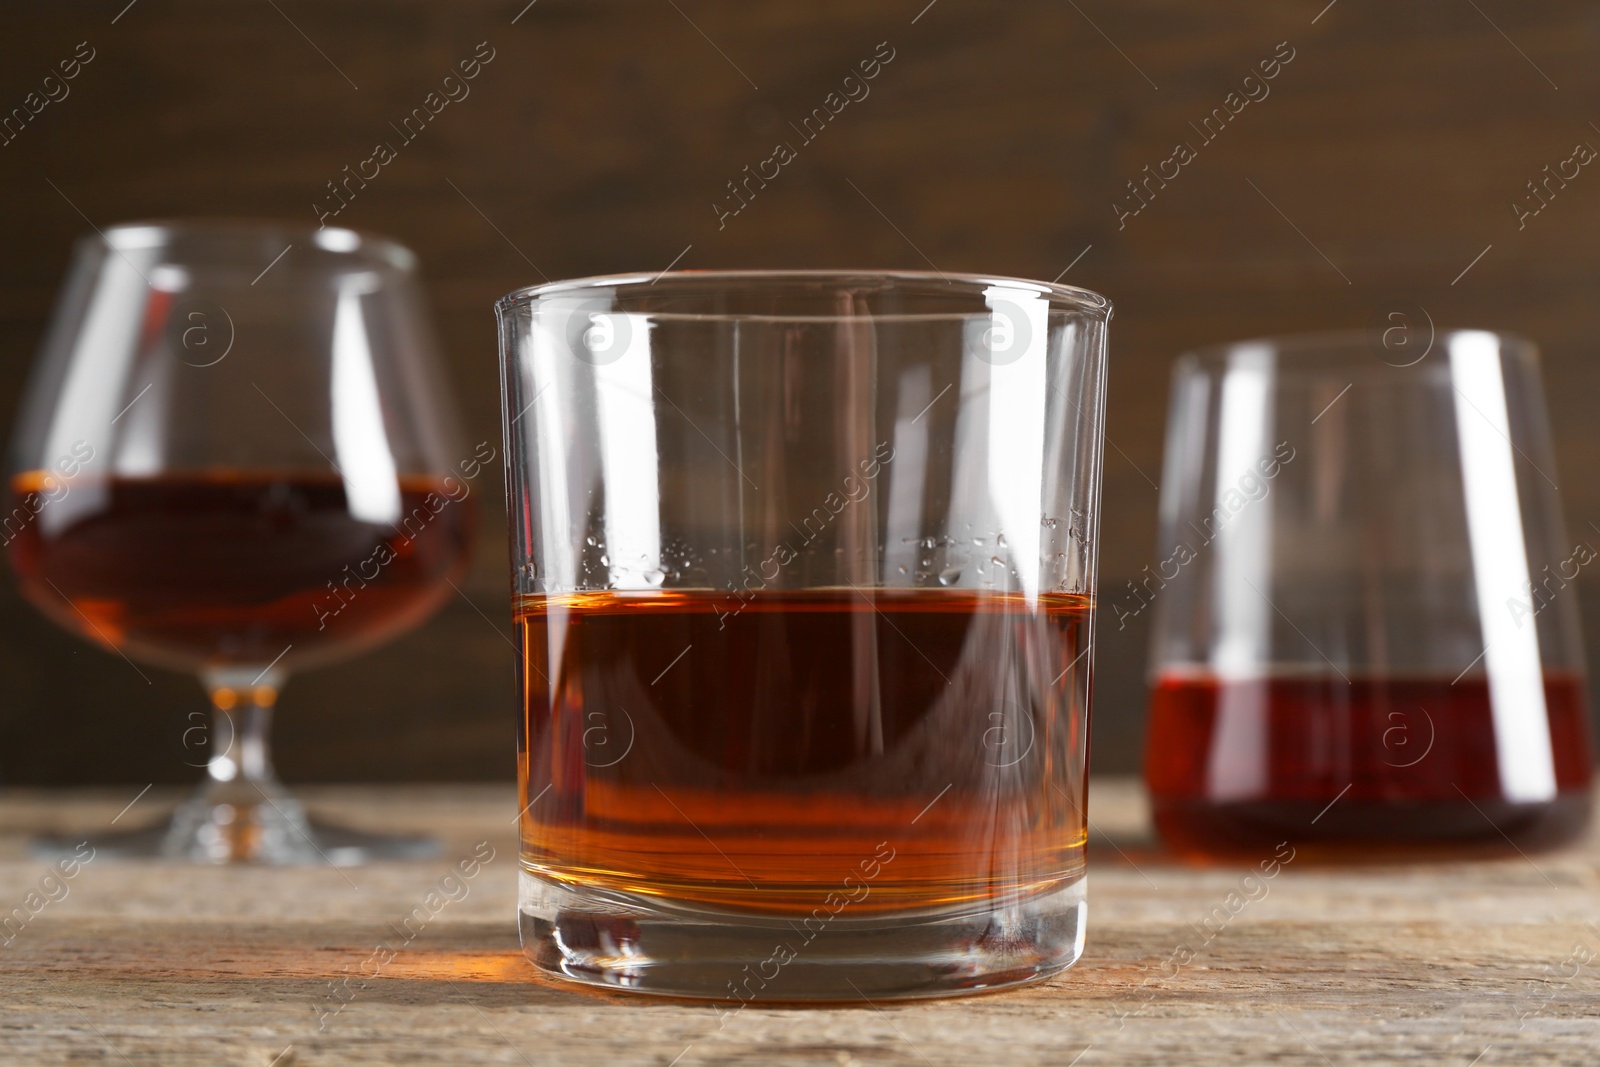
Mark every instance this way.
x=236 y=458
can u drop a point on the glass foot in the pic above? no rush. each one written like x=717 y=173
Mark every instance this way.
x=273 y=831
x=622 y=941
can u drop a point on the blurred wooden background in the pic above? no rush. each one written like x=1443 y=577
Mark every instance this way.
x=996 y=140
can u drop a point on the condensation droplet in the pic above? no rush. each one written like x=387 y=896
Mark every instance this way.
x=589 y=541
x=605 y=560
x=654 y=577
x=950 y=576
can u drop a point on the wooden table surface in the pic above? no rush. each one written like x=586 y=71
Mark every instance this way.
x=1459 y=964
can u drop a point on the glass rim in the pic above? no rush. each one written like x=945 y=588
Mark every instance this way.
x=1348 y=351
x=143 y=234
x=1068 y=298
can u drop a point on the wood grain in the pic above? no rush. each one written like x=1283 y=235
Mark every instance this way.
x=1454 y=963
x=997 y=140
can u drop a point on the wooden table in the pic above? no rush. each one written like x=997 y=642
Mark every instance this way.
x=1465 y=963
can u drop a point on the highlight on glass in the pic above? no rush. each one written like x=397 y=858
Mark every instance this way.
x=236 y=459
x=1366 y=637
x=803 y=566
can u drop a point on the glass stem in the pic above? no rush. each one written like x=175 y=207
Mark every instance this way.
x=240 y=764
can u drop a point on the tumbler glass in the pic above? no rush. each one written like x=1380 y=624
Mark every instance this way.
x=1366 y=638
x=803 y=566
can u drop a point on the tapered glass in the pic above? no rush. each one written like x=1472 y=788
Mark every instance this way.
x=803 y=568
x=235 y=458
x=1366 y=634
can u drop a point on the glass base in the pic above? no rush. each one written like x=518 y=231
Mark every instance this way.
x=275 y=832
x=624 y=941
x=1349 y=830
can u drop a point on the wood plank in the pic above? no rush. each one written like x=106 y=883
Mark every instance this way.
x=1452 y=963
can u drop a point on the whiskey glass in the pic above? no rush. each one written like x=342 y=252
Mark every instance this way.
x=1366 y=634
x=236 y=458
x=803 y=567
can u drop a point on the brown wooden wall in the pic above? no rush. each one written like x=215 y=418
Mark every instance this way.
x=996 y=139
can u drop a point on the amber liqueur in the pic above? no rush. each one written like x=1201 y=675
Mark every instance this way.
x=899 y=749
x=1379 y=766
x=222 y=566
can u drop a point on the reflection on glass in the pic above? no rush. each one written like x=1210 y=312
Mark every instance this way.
x=1500 y=569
